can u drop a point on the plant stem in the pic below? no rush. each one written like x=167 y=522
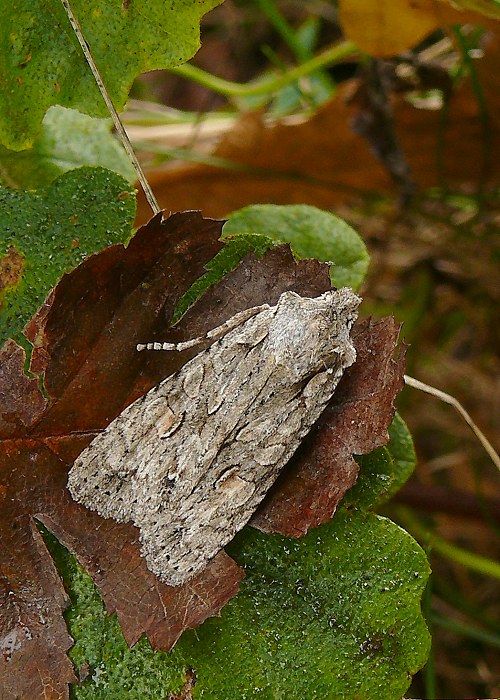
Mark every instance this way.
x=109 y=104
x=466 y=630
x=263 y=87
x=471 y=561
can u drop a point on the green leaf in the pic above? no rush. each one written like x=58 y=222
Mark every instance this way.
x=333 y=615
x=43 y=64
x=114 y=670
x=46 y=233
x=312 y=233
x=375 y=478
x=68 y=140
x=403 y=454
x=384 y=471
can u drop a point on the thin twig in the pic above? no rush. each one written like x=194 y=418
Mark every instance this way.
x=447 y=398
x=114 y=114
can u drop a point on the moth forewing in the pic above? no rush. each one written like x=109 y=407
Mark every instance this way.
x=190 y=461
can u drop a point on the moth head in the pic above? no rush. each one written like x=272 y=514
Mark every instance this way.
x=308 y=334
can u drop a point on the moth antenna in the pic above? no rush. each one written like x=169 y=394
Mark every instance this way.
x=214 y=334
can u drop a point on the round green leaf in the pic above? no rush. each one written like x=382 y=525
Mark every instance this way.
x=384 y=471
x=67 y=140
x=402 y=451
x=333 y=615
x=312 y=233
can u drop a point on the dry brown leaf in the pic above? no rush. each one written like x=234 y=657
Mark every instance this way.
x=323 y=162
x=84 y=337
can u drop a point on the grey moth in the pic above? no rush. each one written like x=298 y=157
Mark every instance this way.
x=190 y=461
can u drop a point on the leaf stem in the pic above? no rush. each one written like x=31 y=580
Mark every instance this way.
x=109 y=104
x=263 y=87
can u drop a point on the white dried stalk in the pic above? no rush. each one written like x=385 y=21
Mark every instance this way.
x=120 y=129
x=452 y=401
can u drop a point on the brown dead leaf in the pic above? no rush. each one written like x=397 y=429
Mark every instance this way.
x=20 y=401
x=84 y=337
x=256 y=281
x=355 y=422
x=322 y=161
x=32 y=598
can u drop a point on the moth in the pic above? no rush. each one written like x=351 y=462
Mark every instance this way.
x=189 y=462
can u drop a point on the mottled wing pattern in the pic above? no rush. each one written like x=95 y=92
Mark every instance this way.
x=189 y=462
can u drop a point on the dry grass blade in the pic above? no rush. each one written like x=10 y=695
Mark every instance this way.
x=443 y=396
x=109 y=104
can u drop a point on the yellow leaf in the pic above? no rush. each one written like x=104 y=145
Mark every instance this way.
x=387 y=27
x=490 y=8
